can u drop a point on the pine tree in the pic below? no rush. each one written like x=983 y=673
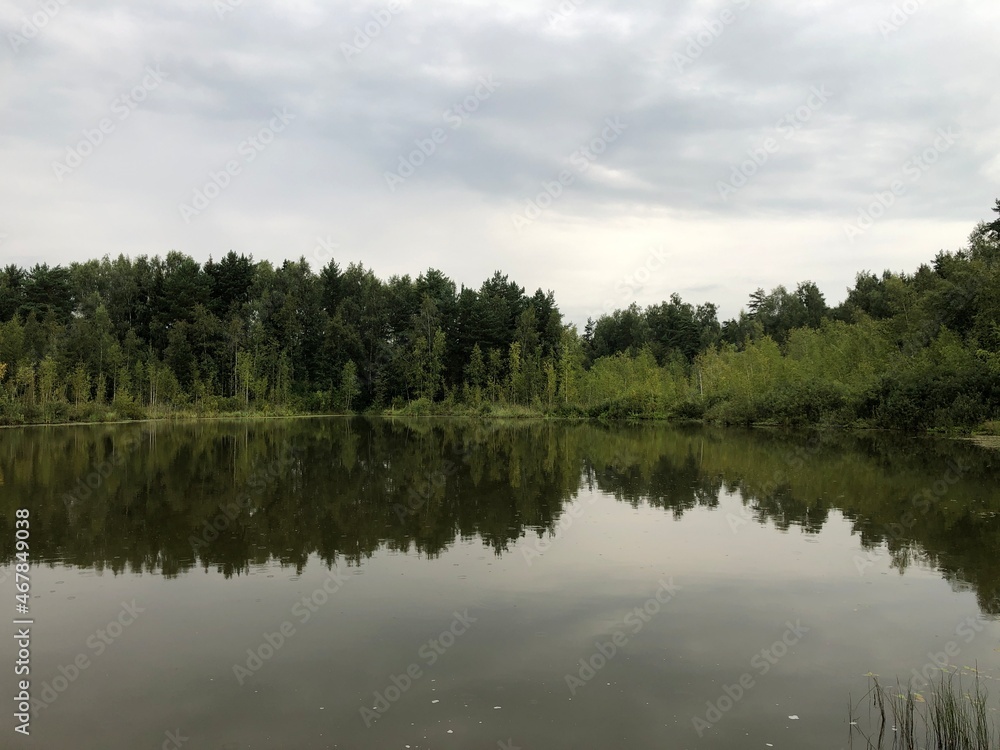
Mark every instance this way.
x=994 y=226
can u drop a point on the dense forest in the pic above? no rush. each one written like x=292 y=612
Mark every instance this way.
x=136 y=337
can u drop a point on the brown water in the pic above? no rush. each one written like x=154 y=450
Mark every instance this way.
x=450 y=584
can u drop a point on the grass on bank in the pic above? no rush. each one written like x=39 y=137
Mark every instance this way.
x=423 y=407
x=627 y=407
x=946 y=717
x=94 y=413
x=988 y=429
x=987 y=435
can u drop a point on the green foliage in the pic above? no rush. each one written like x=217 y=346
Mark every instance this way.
x=349 y=386
x=152 y=336
x=475 y=375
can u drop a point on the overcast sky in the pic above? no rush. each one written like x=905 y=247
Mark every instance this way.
x=609 y=151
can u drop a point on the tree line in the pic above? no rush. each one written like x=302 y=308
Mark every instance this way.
x=136 y=337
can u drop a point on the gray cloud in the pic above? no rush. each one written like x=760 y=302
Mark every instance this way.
x=561 y=69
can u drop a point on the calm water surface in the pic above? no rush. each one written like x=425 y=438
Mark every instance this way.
x=334 y=583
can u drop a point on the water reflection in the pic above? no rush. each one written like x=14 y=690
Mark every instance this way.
x=234 y=495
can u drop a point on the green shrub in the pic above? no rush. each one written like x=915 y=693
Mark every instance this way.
x=803 y=402
x=690 y=408
x=130 y=410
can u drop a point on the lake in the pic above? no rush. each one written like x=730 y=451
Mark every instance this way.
x=353 y=583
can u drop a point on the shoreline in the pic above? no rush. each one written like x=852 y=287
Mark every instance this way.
x=989 y=442
x=986 y=440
